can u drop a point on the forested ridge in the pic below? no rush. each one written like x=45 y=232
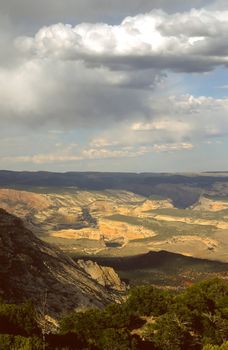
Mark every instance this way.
x=150 y=318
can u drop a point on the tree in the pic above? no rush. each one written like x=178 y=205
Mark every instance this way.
x=18 y=319
x=19 y=343
x=117 y=339
x=148 y=300
x=224 y=346
x=170 y=332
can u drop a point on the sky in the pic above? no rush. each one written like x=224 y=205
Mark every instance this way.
x=104 y=85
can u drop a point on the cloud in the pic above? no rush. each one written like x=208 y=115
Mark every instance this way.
x=223 y=86
x=69 y=154
x=173 y=126
x=70 y=94
x=94 y=75
x=186 y=117
x=193 y=41
x=32 y=13
x=173 y=147
x=180 y=119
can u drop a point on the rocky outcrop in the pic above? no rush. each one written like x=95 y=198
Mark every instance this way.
x=213 y=205
x=221 y=224
x=106 y=276
x=31 y=268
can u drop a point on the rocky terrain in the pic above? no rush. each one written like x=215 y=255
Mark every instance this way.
x=109 y=214
x=32 y=269
x=80 y=214
x=164 y=269
x=104 y=275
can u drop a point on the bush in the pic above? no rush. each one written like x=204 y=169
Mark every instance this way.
x=10 y=342
x=18 y=319
x=148 y=300
x=224 y=346
x=117 y=339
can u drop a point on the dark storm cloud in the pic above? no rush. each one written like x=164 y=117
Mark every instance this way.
x=30 y=13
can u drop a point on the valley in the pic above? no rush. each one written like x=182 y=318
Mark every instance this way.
x=121 y=223
x=119 y=242
x=120 y=220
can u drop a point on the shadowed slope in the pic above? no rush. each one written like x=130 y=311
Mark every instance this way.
x=30 y=268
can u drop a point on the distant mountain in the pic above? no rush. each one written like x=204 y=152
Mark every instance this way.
x=183 y=189
x=31 y=269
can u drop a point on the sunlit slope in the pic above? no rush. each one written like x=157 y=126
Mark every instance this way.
x=115 y=222
x=80 y=214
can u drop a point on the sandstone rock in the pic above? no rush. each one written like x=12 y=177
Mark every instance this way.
x=106 y=276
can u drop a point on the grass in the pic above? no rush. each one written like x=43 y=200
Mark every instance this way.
x=194 y=214
x=165 y=229
x=70 y=242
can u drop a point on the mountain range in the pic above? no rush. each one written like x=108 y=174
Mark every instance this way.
x=184 y=189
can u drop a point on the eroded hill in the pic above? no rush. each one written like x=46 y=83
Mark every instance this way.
x=119 y=223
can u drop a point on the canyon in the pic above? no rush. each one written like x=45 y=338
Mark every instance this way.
x=121 y=223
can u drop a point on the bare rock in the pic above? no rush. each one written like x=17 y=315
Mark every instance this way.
x=105 y=276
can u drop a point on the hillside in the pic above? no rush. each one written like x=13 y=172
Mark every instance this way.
x=121 y=223
x=149 y=319
x=164 y=268
x=183 y=189
x=31 y=268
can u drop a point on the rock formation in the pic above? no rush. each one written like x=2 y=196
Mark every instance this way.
x=31 y=269
x=106 y=276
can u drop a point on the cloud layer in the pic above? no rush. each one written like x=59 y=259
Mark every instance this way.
x=190 y=42
x=28 y=13
x=99 y=73
x=114 y=83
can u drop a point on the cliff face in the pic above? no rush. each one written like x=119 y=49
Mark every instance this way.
x=30 y=268
x=106 y=276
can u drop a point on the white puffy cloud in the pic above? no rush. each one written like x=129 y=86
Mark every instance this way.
x=189 y=42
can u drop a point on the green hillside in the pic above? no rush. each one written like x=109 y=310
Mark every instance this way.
x=195 y=318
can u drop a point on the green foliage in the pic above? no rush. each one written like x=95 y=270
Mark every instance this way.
x=121 y=316
x=87 y=325
x=148 y=300
x=10 y=342
x=117 y=339
x=18 y=319
x=90 y=325
x=171 y=332
x=224 y=346
x=204 y=305
x=194 y=319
